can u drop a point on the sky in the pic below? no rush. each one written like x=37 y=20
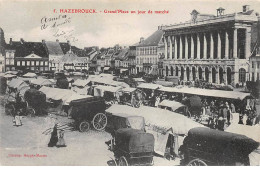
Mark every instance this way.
x=25 y=18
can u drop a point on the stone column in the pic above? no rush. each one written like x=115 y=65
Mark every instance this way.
x=165 y=48
x=247 y=42
x=226 y=46
x=192 y=47
x=219 y=46
x=180 y=57
x=170 y=40
x=225 y=76
x=204 y=46
x=210 y=75
x=186 y=47
x=198 y=46
x=175 y=47
x=185 y=74
x=235 y=44
x=197 y=72
x=203 y=73
x=190 y=74
x=217 y=76
x=211 y=46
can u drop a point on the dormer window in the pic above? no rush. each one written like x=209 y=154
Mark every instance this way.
x=220 y=11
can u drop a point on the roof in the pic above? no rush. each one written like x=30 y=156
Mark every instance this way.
x=29 y=75
x=42 y=82
x=122 y=54
x=79 y=52
x=152 y=40
x=23 y=48
x=54 y=48
x=70 y=57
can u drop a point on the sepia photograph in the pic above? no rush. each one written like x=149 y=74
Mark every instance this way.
x=129 y=83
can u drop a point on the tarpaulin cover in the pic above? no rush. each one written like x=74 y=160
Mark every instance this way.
x=135 y=141
x=29 y=75
x=9 y=76
x=80 y=90
x=244 y=130
x=81 y=83
x=220 y=142
x=206 y=92
x=99 y=90
x=42 y=82
x=61 y=94
x=158 y=117
x=128 y=89
x=17 y=84
x=149 y=86
x=172 y=104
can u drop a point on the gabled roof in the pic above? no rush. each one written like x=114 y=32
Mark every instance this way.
x=70 y=57
x=26 y=48
x=79 y=52
x=54 y=48
x=122 y=54
x=152 y=40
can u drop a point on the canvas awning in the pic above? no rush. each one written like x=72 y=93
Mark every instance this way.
x=42 y=82
x=172 y=104
x=81 y=83
x=128 y=89
x=159 y=117
x=206 y=92
x=149 y=86
x=30 y=75
x=17 y=84
x=9 y=76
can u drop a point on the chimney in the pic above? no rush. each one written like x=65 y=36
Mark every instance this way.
x=141 y=40
x=245 y=8
x=68 y=42
x=11 y=41
x=57 y=40
x=43 y=41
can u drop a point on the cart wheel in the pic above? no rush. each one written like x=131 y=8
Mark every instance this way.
x=122 y=161
x=30 y=112
x=84 y=126
x=196 y=162
x=99 y=121
x=9 y=109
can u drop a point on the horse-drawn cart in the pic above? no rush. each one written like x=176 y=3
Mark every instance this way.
x=89 y=111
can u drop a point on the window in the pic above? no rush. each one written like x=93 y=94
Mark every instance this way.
x=41 y=68
x=46 y=63
x=28 y=63
x=242 y=75
x=252 y=64
x=23 y=63
x=32 y=68
x=41 y=62
x=18 y=63
x=11 y=61
x=46 y=68
x=257 y=76
x=253 y=76
x=7 y=68
x=37 y=63
x=32 y=63
x=258 y=65
x=7 y=61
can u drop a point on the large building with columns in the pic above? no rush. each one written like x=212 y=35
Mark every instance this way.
x=211 y=48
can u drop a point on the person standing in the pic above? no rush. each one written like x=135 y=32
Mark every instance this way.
x=61 y=141
x=54 y=136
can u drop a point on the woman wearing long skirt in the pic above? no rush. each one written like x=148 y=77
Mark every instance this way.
x=54 y=137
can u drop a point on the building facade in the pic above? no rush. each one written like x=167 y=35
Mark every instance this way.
x=147 y=53
x=211 y=48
